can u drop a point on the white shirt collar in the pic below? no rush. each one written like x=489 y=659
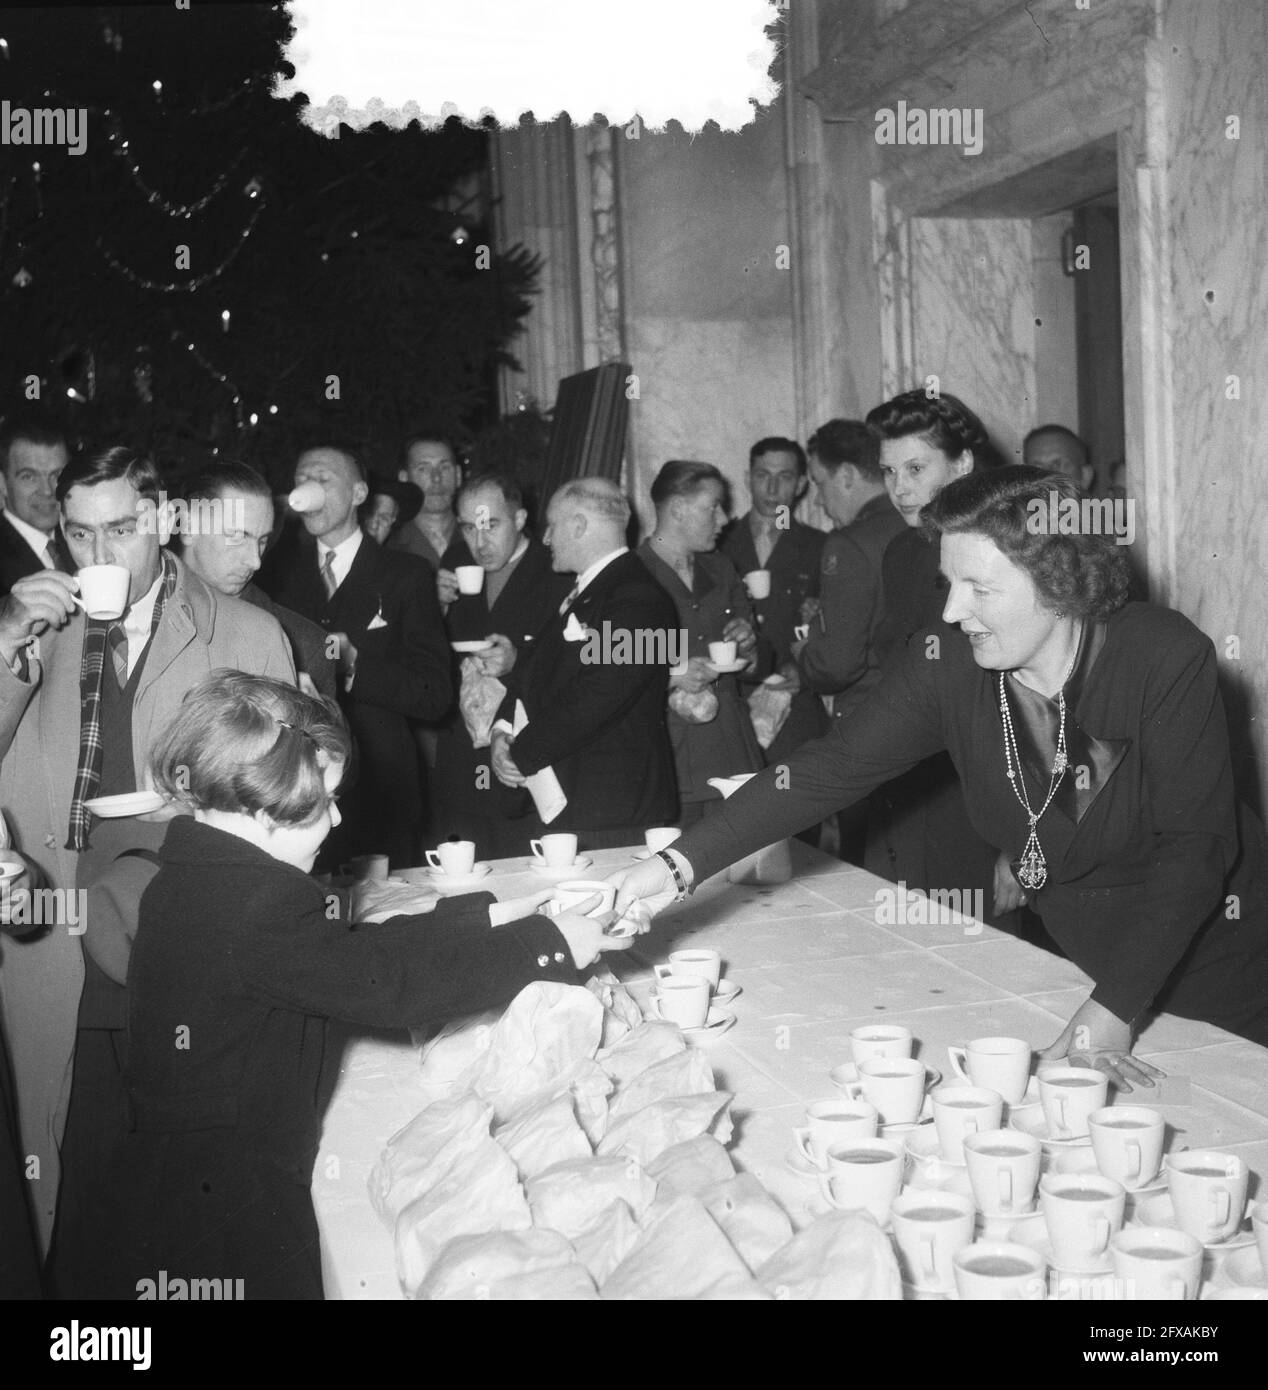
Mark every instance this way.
x=38 y=540
x=588 y=576
x=138 y=620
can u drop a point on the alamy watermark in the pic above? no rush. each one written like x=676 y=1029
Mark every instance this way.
x=916 y=125
x=640 y=646
x=45 y=907
x=1082 y=516
x=57 y=125
x=899 y=905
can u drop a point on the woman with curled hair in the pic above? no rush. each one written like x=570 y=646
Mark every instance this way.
x=1090 y=738
x=240 y=960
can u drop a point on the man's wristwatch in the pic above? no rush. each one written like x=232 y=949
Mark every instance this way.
x=680 y=883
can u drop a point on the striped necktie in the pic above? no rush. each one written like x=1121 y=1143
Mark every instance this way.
x=328 y=574
x=117 y=641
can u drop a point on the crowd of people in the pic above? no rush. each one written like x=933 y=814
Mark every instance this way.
x=931 y=688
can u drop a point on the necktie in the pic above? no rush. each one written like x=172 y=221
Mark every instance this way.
x=765 y=544
x=570 y=600
x=56 y=556
x=117 y=640
x=328 y=574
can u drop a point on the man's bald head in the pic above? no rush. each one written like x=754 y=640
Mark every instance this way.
x=585 y=521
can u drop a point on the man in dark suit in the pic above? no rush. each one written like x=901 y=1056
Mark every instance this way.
x=33 y=453
x=769 y=538
x=520 y=595
x=379 y=608
x=433 y=535
x=225 y=521
x=595 y=684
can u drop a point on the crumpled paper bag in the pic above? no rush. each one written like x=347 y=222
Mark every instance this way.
x=570 y=1197
x=843 y=1255
x=750 y=1218
x=686 y=1073
x=621 y=1013
x=543 y=1135
x=694 y=707
x=690 y=1167
x=545 y=1031
x=768 y=710
x=417 y=1157
x=480 y=697
x=507 y=1265
x=605 y=1243
x=455 y=1050
x=482 y=1193
x=650 y=1131
x=641 y=1048
x=588 y=1085
x=682 y=1254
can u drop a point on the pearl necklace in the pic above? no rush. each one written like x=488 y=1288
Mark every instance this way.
x=1032 y=872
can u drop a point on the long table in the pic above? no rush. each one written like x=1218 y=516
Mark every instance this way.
x=814 y=962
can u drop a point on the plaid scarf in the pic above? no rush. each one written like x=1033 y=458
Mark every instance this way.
x=96 y=643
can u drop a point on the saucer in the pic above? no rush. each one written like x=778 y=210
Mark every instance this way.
x=719 y=1021
x=1039 y=1241
x=728 y=668
x=458 y=883
x=1030 y=1120
x=940 y=1177
x=726 y=991
x=847 y=1072
x=1158 y=1211
x=480 y=645
x=1245 y=1269
x=126 y=804
x=1011 y=1225
x=1030 y=1098
x=551 y=875
x=923 y=1146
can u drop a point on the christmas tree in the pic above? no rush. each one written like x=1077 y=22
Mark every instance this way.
x=204 y=274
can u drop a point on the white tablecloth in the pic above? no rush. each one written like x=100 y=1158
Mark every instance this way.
x=813 y=964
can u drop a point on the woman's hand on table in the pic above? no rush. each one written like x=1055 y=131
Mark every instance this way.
x=1096 y=1038
x=1009 y=894
x=515 y=908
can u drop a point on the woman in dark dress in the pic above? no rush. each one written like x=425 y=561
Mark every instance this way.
x=1090 y=739
x=240 y=960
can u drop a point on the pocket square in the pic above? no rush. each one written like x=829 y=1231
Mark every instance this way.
x=575 y=630
x=375 y=622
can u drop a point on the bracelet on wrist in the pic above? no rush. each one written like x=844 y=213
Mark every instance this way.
x=680 y=883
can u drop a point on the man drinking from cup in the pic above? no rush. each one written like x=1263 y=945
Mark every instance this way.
x=81 y=701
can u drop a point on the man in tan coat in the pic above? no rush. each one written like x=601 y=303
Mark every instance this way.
x=81 y=703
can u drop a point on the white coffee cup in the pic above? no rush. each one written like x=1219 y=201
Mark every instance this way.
x=1208 y=1192
x=894 y=1085
x=959 y=1111
x=1153 y=1262
x=1003 y=1169
x=103 y=590
x=470 y=578
x=555 y=851
x=1083 y=1212
x=831 y=1122
x=757 y=582
x=879 y=1040
x=661 y=836
x=929 y=1227
x=307 y=497
x=1127 y=1141
x=722 y=653
x=368 y=868
x=863 y=1174
x=454 y=857
x=1069 y=1095
x=682 y=999
x=999 y=1064
x=707 y=964
x=576 y=890
x=999 y=1270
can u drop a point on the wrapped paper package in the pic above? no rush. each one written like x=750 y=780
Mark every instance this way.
x=648 y=1132
x=843 y=1255
x=682 y=1254
x=570 y=1197
x=543 y=1135
x=750 y=1218
x=544 y=1032
x=693 y=1166
x=455 y=1050
x=480 y=1193
x=479 y=699
x=603 y=1245
x=417 y=1157
x=686 y=1073
x=588 y=1085
x=642 y=1047
x=621 y=1013
x=768 y=709
x=508 y=1265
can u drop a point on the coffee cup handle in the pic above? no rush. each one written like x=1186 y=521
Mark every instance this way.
x=959 y=1061
x=801 y=1136
x=432 y=858
x=654 y=1004
x=536 y=847
x=1006 y=1188
x=1103 y=1234
x=854 y=1090
x=663 y=971
x=1223 y=1206
x=1135 y=1162
x=929 y=1247
x=825 y=1186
